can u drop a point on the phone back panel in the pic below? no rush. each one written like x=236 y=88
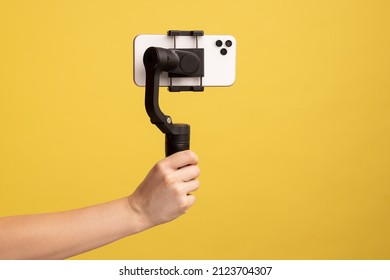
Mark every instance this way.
x=219 y=58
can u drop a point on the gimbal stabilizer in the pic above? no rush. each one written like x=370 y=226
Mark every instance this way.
x=178 y=63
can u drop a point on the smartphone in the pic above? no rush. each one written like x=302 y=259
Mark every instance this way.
x=219 y=58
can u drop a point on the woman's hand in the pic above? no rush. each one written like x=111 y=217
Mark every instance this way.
x=165 y=193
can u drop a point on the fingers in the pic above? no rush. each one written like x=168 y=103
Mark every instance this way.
x=181 y=159
x=191 y=186
x=183 y=173
x=188 y=173
x=190 y=200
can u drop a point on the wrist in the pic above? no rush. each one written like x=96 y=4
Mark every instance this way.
x=139 y=220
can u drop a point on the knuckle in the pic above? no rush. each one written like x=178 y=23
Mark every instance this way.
x=159 y=167
x=193 y=199
x=182 y=204
x=197 y=171
x=169 y=180
x=176 y=190
x=191 y=156
x=196 y=184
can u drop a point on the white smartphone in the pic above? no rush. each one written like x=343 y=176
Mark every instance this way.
x=219 y=58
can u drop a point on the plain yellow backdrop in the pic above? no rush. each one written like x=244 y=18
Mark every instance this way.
x=295 y=157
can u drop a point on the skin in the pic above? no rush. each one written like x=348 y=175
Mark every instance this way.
x=164 y=195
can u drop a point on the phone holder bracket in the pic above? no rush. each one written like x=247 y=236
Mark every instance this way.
x=199 y=52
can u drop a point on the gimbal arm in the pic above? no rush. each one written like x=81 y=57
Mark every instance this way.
x=156 y=60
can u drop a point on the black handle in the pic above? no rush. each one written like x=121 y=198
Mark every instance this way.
x=179 y=142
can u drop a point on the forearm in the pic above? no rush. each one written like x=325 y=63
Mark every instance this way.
x=65 y=234
x=164 y=195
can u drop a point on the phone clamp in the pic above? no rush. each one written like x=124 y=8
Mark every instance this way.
x=177 y=63
x=199 y=52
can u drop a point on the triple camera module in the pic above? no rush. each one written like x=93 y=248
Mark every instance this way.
x=219 y=44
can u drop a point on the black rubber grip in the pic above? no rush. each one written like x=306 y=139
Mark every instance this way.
x=176 y=143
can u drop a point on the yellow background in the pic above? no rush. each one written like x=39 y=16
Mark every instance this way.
x=294 y=157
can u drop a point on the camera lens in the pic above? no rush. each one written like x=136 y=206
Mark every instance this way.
x=228 y=43
x=223 y=51
x=218 y=43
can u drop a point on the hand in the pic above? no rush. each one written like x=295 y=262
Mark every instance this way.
x=165 y=193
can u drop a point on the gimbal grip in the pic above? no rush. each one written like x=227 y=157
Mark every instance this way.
x=176 y=143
